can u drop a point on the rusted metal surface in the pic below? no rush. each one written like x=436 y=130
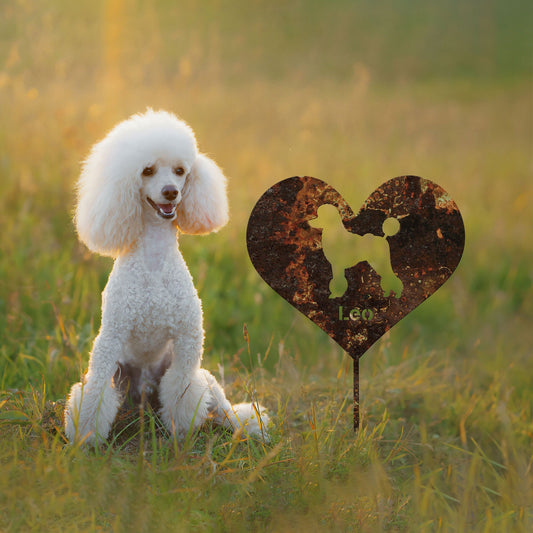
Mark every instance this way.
x=286 y=248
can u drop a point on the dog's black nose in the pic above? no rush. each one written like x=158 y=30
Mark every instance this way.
x=169 y=192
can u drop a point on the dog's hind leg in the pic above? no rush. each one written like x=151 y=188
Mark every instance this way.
x=251 y=417
x=190 y=396
x=390 y=283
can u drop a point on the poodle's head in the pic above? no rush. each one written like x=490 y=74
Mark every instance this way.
x=147 y=169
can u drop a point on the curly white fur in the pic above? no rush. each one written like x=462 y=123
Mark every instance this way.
x=139 y=184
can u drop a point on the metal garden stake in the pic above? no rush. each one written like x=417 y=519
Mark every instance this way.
x=414 y=219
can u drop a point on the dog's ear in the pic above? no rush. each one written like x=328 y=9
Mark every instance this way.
x=204 y=205
x=108 y=214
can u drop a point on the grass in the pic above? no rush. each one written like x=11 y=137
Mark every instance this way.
x=350 y=92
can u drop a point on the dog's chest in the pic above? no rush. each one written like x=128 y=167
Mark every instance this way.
x=154 y=302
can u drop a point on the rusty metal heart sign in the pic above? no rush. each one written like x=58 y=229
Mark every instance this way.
x=412 y=219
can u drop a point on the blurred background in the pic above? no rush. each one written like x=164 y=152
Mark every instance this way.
x=352 y=92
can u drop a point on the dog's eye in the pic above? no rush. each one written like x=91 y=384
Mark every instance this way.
x=179 y=171
x=148 y=171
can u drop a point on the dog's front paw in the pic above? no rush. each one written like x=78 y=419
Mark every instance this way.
x=89 y=416
x=77 y=427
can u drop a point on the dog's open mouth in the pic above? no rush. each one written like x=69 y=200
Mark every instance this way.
x=163 y=210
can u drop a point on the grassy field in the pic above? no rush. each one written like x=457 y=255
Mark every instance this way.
x=352 y=92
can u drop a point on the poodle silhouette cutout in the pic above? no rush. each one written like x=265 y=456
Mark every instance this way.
x=403 y=244
x=371 y=248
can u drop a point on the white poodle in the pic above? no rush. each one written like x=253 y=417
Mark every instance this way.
x=140 y=185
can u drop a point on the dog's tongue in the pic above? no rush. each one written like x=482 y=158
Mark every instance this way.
x=166 y=208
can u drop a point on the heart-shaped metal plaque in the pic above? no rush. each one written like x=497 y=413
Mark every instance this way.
x=414 y=219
